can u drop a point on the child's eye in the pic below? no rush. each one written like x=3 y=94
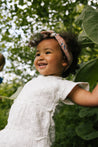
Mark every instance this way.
x=48 y=52
x=37 y=54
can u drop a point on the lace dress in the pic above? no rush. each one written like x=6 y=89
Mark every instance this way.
x=30 y=122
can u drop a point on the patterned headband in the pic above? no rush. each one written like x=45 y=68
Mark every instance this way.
x=61 y=43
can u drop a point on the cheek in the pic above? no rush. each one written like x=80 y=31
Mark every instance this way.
x=52 y=59
x=35 y=62
x=55 y=63
x=56 y=60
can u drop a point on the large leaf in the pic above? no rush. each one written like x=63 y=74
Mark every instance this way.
x=88 y=73
x=89 y=21
x=90 y=24
x=86 y=131
x=88 y=112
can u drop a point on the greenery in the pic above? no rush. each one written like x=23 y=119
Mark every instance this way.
x=75 y=125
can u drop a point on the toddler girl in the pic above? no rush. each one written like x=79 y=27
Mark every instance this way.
x=30 y=122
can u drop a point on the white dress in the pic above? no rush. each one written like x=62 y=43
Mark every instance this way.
x=30 y=122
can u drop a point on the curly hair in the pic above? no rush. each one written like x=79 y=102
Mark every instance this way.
x=72 y=45
x=75 y=48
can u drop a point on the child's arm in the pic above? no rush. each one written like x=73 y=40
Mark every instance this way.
x=83 y=97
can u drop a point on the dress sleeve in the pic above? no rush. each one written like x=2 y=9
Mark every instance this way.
x=65 y=87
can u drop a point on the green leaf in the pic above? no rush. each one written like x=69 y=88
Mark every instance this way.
x=88 y=112
x=86 y=131
x=83 y=38
x=88 y=73
x=89 y=21
x=21 y=2
x=90 y=24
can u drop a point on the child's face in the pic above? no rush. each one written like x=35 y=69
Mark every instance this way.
x=49 y=59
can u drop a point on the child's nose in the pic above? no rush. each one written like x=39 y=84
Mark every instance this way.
x=41 y=57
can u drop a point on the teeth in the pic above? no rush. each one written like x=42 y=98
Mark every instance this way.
x=42 y=64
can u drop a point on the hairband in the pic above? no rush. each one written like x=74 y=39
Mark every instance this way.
x=61 y=43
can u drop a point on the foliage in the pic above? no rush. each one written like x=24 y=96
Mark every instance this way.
x=88 y=18
x=70 y=127
x=86 y=129
x=6 y=90
x=5 y=105
x=88 y=35
x=88 y=73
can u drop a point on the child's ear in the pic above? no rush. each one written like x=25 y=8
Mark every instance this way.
x=64 y=63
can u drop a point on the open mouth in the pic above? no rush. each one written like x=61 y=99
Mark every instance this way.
x=42 y=65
